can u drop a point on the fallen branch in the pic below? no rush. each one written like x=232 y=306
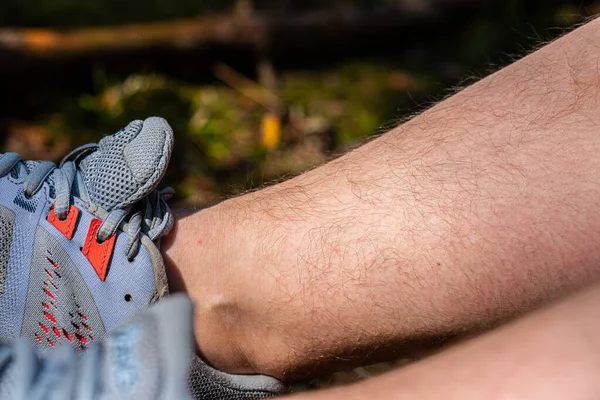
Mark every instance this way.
x=254 y=30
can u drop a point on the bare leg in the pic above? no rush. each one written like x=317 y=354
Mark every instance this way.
x=483 y=207
x=551 y=355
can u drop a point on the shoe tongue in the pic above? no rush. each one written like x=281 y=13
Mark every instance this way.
x=128 y=165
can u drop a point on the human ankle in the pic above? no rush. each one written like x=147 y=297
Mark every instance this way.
x=203 y=257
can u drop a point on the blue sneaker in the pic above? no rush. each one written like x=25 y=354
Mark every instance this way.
x=148 y=358
x=78 y=242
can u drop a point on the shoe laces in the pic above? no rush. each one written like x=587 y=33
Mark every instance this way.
x=150 y=216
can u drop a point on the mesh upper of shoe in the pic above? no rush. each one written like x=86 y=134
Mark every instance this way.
x=128 y=165
x=7 y=219
x=207 y=383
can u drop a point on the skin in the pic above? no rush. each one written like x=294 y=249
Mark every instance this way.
x=550 y=355
x=471 y=213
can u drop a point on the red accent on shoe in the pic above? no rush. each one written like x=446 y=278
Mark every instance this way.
x=46 y=306
x=66 y=227
x=81 y=338
x=44 y=328
x=75 y=326
x=98 y=254
x=82 y=316
x=50 y=317
x=50 y=342
x=56 y=331
x=68 y=335
x=49 y=294
x=53 y=262
x=89 y=328
x=38 y=337
x=48 y=272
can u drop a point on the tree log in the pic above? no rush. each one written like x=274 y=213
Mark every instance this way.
x=256 y=31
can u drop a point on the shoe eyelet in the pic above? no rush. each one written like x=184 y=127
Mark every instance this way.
x=131 y=259
x=128 y=297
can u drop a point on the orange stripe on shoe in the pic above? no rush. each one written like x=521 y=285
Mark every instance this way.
x=98 y=254
x=66 y=227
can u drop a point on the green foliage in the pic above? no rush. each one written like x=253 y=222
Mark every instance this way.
x=356 y=98
x=217 y=128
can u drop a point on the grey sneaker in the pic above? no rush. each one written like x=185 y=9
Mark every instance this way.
x=208 y=383
x=78 y=242
x=147 y=358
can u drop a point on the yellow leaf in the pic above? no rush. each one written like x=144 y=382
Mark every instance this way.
x=270 y=130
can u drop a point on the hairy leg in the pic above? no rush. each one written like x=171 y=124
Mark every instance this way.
x=550 y=355
x=478 y=209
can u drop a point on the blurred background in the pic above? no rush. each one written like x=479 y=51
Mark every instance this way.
x=256 y=90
